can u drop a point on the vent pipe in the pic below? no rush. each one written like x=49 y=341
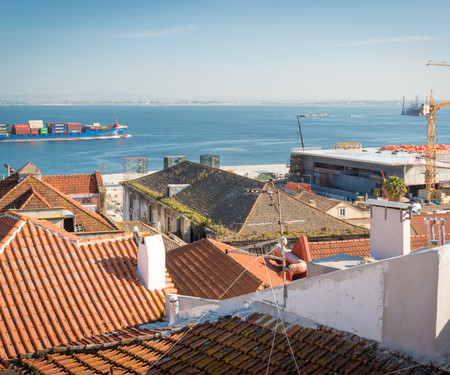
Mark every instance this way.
x=429 y=221
x=441 y=230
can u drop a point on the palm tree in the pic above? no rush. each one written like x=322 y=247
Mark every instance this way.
x=394 y=188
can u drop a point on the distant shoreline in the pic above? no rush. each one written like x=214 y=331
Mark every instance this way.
x=213 y=104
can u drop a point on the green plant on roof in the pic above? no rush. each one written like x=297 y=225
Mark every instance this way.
x=394 y=188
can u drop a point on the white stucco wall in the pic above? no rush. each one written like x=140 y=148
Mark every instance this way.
x=349 y=300
x=403 y=301
x=443 y=301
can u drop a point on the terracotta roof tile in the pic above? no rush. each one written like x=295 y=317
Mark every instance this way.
x=356 y=247
x=76 y=183
x=418 y=222
x=202 y=269
x=223 y=350
x=16 y=197
x=56 y=289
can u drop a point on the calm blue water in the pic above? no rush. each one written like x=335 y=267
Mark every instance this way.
x=241 y=135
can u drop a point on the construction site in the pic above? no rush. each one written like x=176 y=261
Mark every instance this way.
x=349 y=171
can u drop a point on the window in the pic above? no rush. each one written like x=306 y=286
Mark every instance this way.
x=168 y=224
x=342 y=212
x=150 y=214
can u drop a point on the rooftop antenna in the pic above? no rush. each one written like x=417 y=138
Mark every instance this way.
x=281 y=240
x=282 y=243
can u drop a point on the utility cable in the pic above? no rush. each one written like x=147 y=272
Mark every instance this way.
x=282 y=322
x=202 y=316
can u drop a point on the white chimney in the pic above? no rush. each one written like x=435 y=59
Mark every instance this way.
x=390 y=228
x=151 y=262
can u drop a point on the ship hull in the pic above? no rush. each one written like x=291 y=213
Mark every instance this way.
x=84 y=134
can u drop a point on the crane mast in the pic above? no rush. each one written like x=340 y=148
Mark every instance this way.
x=440 y=63
x=430 y=167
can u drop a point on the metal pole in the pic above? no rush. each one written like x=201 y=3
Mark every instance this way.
x=300 y=129
x=282 y=246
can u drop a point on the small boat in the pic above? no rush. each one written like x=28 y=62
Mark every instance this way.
x=315 y=115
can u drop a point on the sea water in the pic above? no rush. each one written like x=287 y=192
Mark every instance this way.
x=240 y=135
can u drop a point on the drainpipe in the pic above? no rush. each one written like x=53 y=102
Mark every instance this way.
x=429 y=221
x=440 y=222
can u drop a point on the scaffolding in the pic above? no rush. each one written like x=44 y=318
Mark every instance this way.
x=133 y=167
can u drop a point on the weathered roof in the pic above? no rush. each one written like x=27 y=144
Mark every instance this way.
x=43 y=194
x=296 y=215
x=232 y=345
x=29 y=168
x=240 y=204
x=185 y=172
x=322 y=203
x=213 y=193
x=169 y=244
x=202 y=269
x=76 y=183
x=56 y=288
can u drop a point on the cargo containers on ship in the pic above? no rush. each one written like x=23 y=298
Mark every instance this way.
x=35 y=130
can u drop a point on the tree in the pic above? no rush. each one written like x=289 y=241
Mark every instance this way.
x=394 y=188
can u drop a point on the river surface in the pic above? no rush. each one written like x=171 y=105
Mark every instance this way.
x=240 y=135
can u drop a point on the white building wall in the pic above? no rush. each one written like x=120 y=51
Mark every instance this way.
x=443 y=300
x=350 y=300
x=403 y=302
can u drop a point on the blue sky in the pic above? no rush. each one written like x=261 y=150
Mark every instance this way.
x=254 y=49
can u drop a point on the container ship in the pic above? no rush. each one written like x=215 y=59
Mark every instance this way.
x=35 y=130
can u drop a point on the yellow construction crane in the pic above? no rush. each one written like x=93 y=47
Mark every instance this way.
x=430 y=168
x=440 y=63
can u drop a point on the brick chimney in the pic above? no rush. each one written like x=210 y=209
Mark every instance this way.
x=151 y=262
x=390 y=228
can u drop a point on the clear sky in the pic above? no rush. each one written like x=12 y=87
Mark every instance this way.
x=226 y=49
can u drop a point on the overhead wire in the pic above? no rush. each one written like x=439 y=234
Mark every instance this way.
x=282 y=321
x=203 y=315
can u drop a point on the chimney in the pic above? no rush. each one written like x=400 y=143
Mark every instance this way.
x=151 y=262
x=390 y=229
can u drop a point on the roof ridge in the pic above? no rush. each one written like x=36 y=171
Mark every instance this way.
x=249 y=214
x=322 y=212
x=72 y=201
x=107 y=238
x=12 y=232
x=44 y=225
x=34 y=192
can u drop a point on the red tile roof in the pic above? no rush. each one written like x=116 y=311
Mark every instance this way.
x=56 y=289
x=356 y=247
x=418 y=222
x=232 y=345
x=33 y=193
x=202 y=269
x=267 y=271
x=76 y=183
